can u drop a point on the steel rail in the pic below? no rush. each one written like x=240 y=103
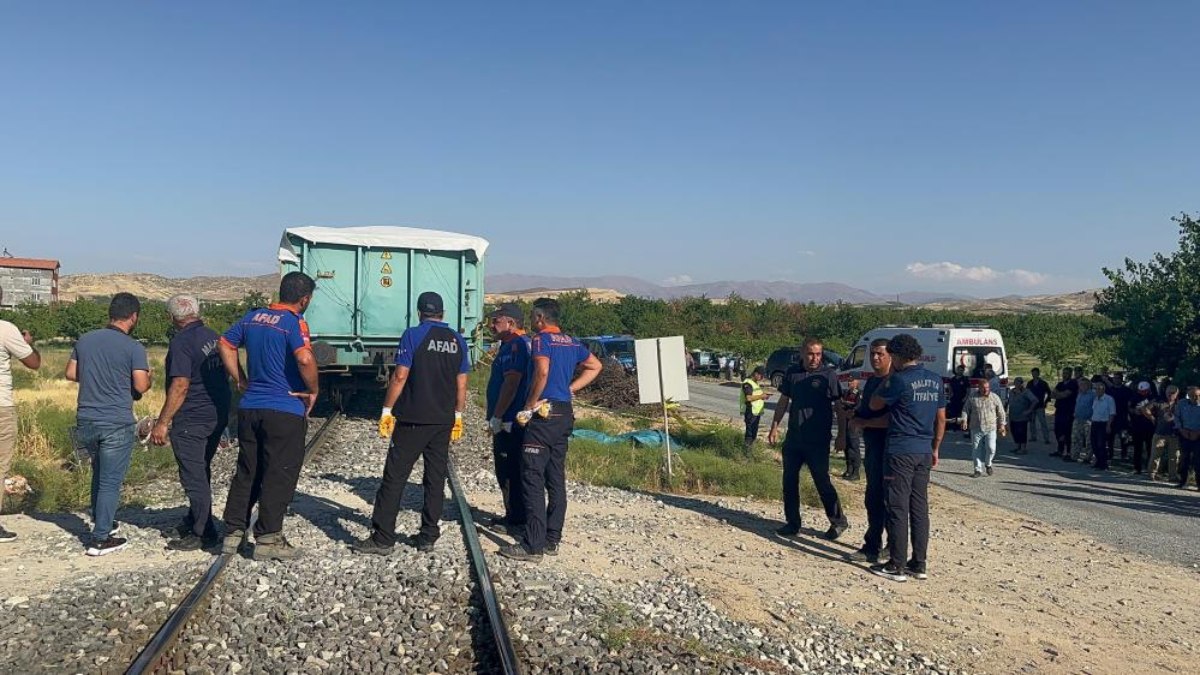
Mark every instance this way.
x=149 y=660
x=504 y=646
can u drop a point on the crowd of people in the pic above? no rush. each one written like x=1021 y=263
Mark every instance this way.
x=891 y=428
x=1100 y=420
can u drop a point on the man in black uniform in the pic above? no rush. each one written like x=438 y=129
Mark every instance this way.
x=556 y=356
x=807 y=396
x=1065 y=393
x=960 y=386
x=196 y=413
x=430 y=382
x=874 y=433
x=507 y=389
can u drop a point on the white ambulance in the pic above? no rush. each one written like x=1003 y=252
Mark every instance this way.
x=946 y=346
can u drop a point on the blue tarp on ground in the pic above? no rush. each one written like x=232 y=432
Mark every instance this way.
x=644 y=438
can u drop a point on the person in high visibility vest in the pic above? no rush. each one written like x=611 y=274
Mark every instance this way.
x=752 y=402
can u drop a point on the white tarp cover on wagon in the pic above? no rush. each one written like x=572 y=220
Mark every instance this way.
x=381 y=236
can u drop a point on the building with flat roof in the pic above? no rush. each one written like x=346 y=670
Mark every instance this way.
x=28 y=280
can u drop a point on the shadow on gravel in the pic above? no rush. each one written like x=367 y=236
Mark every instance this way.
x=164 y=520
x=809 y=541
x=413 y=499
x=69 y=522
x=327 y=516
x=1183 y=504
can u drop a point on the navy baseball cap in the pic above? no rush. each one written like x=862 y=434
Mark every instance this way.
x=509 y=309
x=429 y=303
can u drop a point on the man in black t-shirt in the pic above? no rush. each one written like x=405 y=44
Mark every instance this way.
x=196 y=413
x=1041 y=390
x=806 y=396
x=1065 y=393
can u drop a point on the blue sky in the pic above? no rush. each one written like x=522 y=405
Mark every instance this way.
x=984 y=148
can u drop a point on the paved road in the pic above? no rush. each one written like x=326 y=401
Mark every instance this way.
x=1155 y=519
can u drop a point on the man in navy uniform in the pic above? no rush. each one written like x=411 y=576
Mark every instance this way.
x=806 y=396
x=873 y=425
x=549 y=418
x=194 y=417
x=915 y=399
x=429 y=392
x=507 y=389
x=280 y=390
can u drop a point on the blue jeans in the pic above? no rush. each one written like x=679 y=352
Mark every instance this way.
x=983 y=448
x=110 y=447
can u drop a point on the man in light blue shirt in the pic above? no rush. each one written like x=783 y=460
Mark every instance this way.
x=1187 y=423
x=1081 y=426
x=1104 y=410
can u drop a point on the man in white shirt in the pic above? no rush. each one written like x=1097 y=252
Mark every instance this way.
x=14 y=345
x=1104 y=410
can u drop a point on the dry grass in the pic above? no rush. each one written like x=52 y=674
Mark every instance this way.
x=45 y=449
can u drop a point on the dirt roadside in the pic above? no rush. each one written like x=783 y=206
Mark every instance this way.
x=1006 y=593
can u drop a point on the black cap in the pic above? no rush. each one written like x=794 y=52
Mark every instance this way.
x=509 y=309
x=429 y=303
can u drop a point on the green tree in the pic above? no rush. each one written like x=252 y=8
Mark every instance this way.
x=1156 y=306
x=82 y=316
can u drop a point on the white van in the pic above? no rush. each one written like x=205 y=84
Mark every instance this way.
x=946 y=346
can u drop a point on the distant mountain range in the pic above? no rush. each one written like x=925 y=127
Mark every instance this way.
x=787 y=291
x=502 y=287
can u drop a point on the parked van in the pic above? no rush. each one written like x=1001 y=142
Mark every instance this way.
x=946 y=346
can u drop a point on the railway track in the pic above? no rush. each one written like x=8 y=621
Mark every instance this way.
x=161 y=653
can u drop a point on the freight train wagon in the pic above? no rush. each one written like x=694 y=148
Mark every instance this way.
x=368 y=280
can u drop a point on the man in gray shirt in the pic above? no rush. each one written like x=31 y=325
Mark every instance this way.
x=112 y=372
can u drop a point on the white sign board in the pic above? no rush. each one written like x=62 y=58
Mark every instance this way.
x=661 y=358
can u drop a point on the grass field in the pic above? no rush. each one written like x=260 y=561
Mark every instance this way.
x=712 y=461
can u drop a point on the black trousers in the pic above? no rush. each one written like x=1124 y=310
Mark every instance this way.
x=1100 y=446
x=854 y=450
x=1062 y=430
x=544 y=476
x=409 y=442
x=816 y=456
x=195 y=445
x=1020 y=431
x=506 y=454
x=1118 y=426
x=907 y=481
x=268 y=466
x=1189 y=460
x=1141 y=446
x=752 y=421
x=875 y=498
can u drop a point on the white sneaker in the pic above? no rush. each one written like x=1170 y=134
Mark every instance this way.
x=110 y=545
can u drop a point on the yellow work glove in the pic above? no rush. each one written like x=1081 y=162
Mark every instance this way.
x=456 y=431
x=541 y=409
x=387 y=423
